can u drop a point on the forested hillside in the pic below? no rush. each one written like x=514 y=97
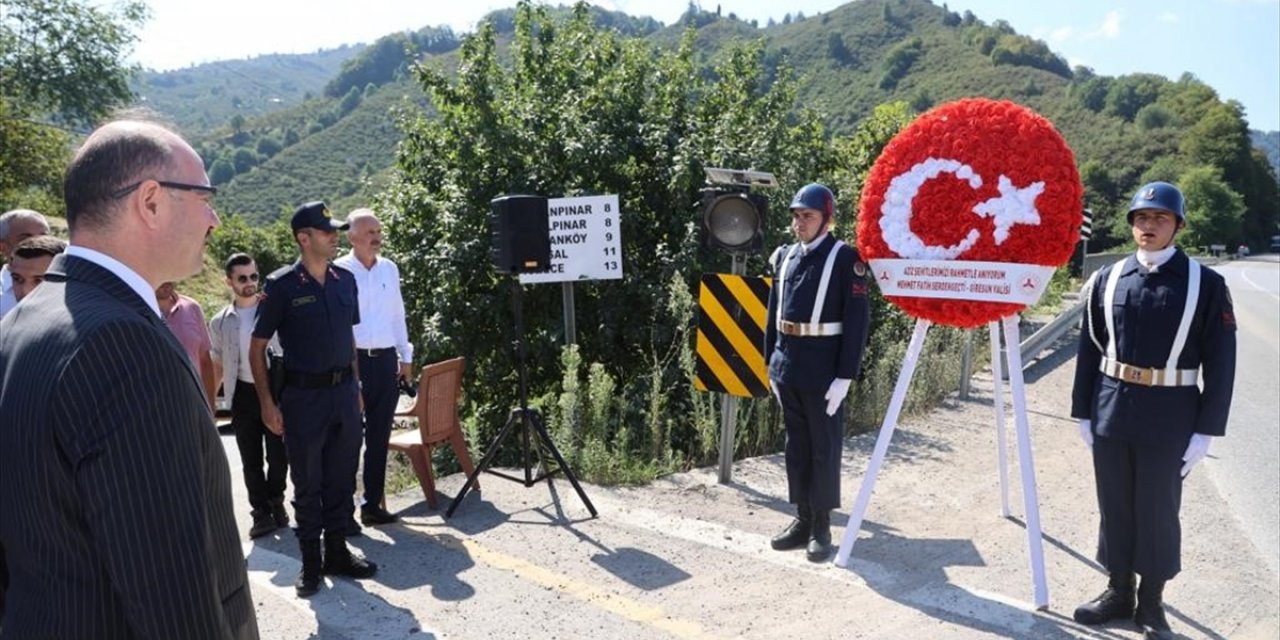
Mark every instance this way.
x=339 y=144
x=204 y=97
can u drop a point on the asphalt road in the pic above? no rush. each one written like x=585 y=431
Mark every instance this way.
x=1245 y=465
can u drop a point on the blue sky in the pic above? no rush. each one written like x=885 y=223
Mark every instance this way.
x=1233 y=45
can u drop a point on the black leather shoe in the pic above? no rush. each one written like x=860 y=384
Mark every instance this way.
x=376 y=515
x=1113 y=604
x=263 y=524
x=797 y=533
x=339 y=561
x=308 y=581
x=820 y=538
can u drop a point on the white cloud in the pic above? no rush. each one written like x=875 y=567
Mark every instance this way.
x=1168 y=17
x=1110 y=27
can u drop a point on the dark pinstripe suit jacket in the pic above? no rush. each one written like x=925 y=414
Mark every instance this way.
x=115 y=496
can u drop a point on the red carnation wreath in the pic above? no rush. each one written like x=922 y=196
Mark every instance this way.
x=972 y=180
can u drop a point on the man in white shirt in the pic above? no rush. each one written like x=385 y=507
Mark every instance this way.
x=15 y=226
x=229 y=334
x=382 y=341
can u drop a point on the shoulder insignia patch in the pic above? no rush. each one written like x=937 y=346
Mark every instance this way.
x=859 y=268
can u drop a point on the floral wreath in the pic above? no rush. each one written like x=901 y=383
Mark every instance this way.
x=974 y=179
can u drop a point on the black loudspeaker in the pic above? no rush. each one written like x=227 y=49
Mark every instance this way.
x=521 y=234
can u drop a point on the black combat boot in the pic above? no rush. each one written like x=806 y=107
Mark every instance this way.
x=796 y=533
x=1150 y=613
x=1116 y=602
x=338 y=559
x=308 y=581
x=820 y=538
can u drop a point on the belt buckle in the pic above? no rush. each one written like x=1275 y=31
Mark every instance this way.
x=335 y=378
x=1138 y=375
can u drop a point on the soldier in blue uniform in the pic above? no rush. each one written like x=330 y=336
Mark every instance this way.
x=311 y=304
x=1156 y=323
x=814 y=338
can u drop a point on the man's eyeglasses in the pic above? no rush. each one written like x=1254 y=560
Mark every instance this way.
x=242 y=278
x=181 y=186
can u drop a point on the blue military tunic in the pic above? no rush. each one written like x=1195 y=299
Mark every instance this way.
x=1147 y=309
x=1143 y=429
x=320 y=403
x=801 y=368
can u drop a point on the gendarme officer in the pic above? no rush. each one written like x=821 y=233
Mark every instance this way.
x=814 y=337
x=311 y=305
x=1157 y=323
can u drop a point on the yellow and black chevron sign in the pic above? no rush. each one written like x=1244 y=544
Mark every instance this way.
x=730 y=344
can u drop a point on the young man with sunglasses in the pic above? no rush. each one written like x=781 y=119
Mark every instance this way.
x=230 y=331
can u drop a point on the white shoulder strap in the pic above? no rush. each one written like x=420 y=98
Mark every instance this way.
x=1108 y=298
x=822 y=284
x=1188 y=312
x=1086 y=294
x=782 y=277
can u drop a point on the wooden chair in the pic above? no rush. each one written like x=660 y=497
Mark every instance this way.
x=436 y=411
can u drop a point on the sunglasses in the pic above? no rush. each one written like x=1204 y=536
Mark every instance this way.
x=181 y=186
x=242 y=278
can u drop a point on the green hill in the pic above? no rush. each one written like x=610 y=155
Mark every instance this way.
x=203 y=97
x=339 y=144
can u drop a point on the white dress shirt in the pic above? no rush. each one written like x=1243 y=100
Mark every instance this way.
x=8 y=299
x=382 y=319
x=130 y=277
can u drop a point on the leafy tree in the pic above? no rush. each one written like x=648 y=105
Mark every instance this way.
x=268 y=146
x=1214 y=210
x=66 y=58
x=579 y=111
x=222 y=171
x=1129 y=94
x=60 y=60
x=1153 y=116
x=244 y=160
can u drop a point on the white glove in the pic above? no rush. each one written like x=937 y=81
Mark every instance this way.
x=1086 y=432
x=835 y=394
x=1197 y=449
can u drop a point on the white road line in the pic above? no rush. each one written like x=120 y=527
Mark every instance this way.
x=1244 y=273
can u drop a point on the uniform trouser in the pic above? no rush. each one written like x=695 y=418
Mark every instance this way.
x=380 y=388
x=253 y=439
x=322 y=436
x=1139 y=495
x=814 y=444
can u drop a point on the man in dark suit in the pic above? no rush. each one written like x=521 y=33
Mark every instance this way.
x=115 y=496
x=815 y=332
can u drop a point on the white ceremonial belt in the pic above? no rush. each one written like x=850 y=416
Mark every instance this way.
x=1150 y=376
x=810 y=329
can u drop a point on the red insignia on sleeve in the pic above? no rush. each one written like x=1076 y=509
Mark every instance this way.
x=1228 y=319
x=860 y=288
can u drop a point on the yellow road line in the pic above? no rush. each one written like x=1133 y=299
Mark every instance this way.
x=625 y=607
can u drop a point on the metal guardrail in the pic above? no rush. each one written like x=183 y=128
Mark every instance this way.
x=1050 y=333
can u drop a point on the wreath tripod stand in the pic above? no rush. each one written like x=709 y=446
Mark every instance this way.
x=532 y=429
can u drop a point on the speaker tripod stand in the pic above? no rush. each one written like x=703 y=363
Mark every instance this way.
x=533 y=431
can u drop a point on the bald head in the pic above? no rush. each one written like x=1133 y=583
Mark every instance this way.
x=18 y=225
x=365 y=234
x=113 y=158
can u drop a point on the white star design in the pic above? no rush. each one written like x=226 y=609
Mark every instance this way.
x=1014 y=206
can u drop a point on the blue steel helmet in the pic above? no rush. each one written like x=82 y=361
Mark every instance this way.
x=1158 y=195
x=815 y=196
